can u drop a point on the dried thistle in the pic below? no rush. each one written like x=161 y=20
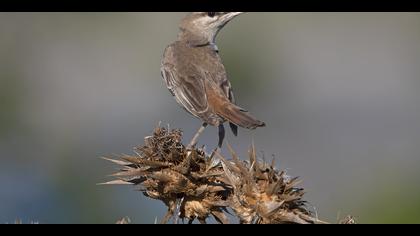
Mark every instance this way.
x=263 y=195
x=124 y=221
x=349 y=220
x=185 y=181
x=194 y=185
x=20 y=222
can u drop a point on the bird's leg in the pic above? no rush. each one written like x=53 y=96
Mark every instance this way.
x=221 y=135
x=220 y=142
x=194 y=140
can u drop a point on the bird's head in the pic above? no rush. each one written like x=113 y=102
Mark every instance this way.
x=201 y=28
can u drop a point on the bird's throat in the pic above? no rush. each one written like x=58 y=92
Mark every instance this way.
x=196 y=40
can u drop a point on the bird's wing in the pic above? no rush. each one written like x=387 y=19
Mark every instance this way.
x=222 y=80
x=227 y=89
x=188 y=90
x=219 y=75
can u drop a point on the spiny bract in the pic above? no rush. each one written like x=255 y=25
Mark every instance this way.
x=194 y=185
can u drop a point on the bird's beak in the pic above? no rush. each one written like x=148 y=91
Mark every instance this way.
x=236 y=13
x=230 y=15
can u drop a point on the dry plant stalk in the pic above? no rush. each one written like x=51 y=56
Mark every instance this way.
x=123 y=221
x=194 y=185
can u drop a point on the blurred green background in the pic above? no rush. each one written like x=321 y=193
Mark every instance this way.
x=338 y=91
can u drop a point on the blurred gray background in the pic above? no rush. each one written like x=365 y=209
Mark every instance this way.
x=338 y=91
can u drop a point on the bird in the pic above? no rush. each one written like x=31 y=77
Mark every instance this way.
x=194 y=73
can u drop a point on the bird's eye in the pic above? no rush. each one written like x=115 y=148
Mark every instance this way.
x=211 y=14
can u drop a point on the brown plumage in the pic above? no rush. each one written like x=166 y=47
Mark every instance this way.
x=196 y=77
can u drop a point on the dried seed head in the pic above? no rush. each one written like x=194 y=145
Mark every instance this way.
x=165 y=171
x=193 y=185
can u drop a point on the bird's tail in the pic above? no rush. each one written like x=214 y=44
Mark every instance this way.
x=239 y=116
